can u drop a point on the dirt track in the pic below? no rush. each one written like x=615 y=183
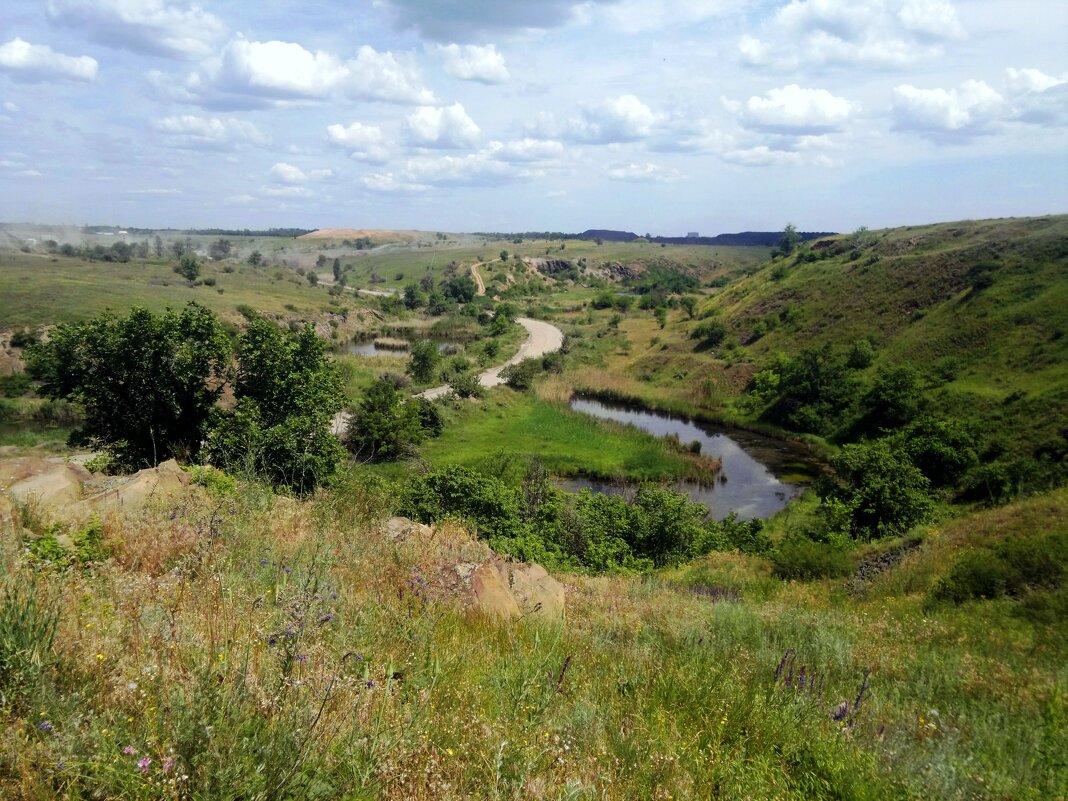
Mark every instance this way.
x=541 y=338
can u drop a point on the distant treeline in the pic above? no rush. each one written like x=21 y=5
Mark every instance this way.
x=282 y=232
x=550 y=235
x=748 y=238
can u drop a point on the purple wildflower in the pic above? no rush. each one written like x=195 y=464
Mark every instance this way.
x=325 y=618
x=302 y=658
x=143 y=764
x=272 y=641
x=264 y=563
x=44 y=725
x=370 y=684
x=358 y=657
x=168 y=763
x=287 y=570
x=129 y=750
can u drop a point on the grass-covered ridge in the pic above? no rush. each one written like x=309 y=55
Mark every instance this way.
x=249 y=646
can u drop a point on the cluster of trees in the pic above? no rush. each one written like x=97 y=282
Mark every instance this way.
x=441 y=298
x=149 y=387
x=588 y=531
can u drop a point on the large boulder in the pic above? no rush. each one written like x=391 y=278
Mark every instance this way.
x=459 y=565
x=152 y=485
x=44 y=481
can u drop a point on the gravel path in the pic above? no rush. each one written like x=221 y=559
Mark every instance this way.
x=541 y=338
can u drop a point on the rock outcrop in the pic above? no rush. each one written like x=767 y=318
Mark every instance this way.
x=464 y=567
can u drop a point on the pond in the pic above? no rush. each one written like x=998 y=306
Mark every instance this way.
x=758 y=477
x=390 y=347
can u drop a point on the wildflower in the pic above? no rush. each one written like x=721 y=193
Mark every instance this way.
x=272 y=641
x=61 y=765
x=143 y=764
x=370 y=684
x=129 y=750
x=287 y=570
x=358 y=657
x=302 y=658
x=168 y=763
x=263 y=563
x=325 y=618
x=99 y=657
x=44 y=726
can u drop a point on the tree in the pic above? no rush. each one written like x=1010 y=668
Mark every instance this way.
x=313 y=278
x=255 y=258
x=879 y=492
x=894 y=399
x=336 y=267
x=288 y=393
x=814 y=390
x=158 y=247
x=462 y=289
x=661 y=316
x=220 y=249
x=689 y=304
x=145 y=383
x=386 y=425
x=424 y=360
x=504 y=255
x=790 y=240
x=413 y=296
x=188 y=267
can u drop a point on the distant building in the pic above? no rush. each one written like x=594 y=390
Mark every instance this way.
x=692 y=235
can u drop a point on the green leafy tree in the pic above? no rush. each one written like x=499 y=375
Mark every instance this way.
x=413 y=296
x=790 y=240
x=255 y=258
x=220 y=249
x=461 y=288
x=424 y=360
x=880 y=492
x=661 y=316
x=288 y=393
x=689 y=305
x=894 y=399
x=146 y=383
x=188 y=266
x=386 y=425
x=814 y=390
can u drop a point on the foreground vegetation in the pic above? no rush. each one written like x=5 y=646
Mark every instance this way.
x=239 y=645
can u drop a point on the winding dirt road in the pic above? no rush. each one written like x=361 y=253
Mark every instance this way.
x=542 y=338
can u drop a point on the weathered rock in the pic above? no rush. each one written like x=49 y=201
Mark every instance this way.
x=509 y=590
x=49 y=483
x=401 y=529
x=151 y=485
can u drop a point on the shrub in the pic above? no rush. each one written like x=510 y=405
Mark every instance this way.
x=710 y=333
x=386 y=425
x=24 y=337
x=1012 y=567
x=881 y=491
x=14 y=385
x=802 y=558
x=424 y=360
x=466 y=385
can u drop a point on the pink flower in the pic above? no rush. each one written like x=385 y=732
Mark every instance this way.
x=143 y=764
x=129 y=750
x=168 y=763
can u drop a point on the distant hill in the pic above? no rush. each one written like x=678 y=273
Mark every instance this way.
x=745 y=238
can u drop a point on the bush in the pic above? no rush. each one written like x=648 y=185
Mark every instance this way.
x=804 y=559
x=710 y=333
x=1013 y=567
x=24 y=337
x=387 y=425
x=880 y=491
x=15 y=385
x=466 y=385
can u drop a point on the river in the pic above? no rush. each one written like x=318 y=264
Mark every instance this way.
x=758 y=477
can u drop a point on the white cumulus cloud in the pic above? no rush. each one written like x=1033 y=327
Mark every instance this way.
x=642 y=173
x=621 y=119
x=286 y=173
x=33 y=62
x=364 y=142
x=442 y=127
x=212 y=133
x=153 y=27
x=844 y=33
x=527 y=150
x=251 y=74
x=794 y=110
x=474 y=63
x=948 y=115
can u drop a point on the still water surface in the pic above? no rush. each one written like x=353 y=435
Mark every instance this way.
x=759 y=475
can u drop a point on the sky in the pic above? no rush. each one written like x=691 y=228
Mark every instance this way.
x=658 y=116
